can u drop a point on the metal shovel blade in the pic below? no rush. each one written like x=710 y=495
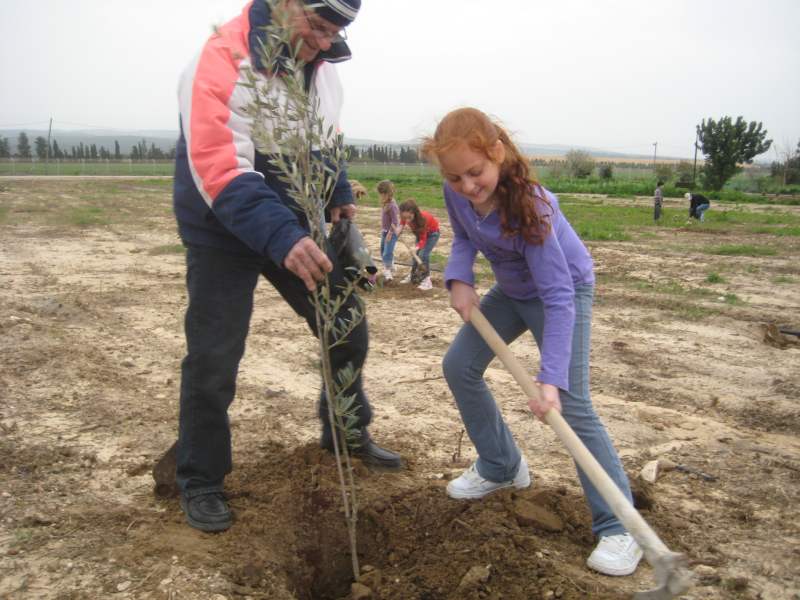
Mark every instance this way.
x=672 y=576
x=164 y=473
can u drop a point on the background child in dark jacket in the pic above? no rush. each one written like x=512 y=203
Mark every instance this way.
x=698 y=205
x=658 y=200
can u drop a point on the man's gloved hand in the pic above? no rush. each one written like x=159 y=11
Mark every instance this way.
x=353 y=254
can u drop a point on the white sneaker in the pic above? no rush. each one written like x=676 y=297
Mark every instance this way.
x=387 y=275
x=615 y=555
x=426 y=284
x=470 y=485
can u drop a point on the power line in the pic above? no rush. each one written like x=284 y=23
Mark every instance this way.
x=45 y=124
x=23 y=124
x=91 y=126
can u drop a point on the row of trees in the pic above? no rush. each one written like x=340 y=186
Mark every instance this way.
x=403 y=154
x=140 y=151
x=726 y=145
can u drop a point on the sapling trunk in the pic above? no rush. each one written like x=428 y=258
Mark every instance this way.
x=307 y=153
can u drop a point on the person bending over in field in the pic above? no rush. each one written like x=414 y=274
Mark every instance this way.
x=698 y=205
x=426 y=231
x=544 y=284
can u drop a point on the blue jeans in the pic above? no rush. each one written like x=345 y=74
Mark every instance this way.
x=498 y=455
x=424 y=253
x=700 y=211
x=220 y=286
x=387 y=249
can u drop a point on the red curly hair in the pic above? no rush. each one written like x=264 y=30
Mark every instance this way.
x=517 y=189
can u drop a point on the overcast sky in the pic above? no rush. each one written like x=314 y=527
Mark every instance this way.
x=617 y=75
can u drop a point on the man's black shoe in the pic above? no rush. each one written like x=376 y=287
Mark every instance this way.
x=368 y=451
x=207 y=512
x=372 y=454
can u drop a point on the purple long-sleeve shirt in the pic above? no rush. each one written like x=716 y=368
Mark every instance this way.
x=549 y=271
x=390 y=217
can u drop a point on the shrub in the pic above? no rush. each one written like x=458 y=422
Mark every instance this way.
x=664 y=172
x=685 y=172
x=579 y=163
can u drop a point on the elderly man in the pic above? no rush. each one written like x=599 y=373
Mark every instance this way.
x=238 y=222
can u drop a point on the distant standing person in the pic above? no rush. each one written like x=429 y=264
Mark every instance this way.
x=658 y=200
x=698 y=205
x=426 y=230
x=390 y=226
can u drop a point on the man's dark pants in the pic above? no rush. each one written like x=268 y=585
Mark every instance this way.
x=220 y=287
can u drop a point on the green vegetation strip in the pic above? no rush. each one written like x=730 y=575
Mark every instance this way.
x=625 y=183
x=741 y=250
x=168 y=249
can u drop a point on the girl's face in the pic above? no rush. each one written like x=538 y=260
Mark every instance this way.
x=406 y=215
x=473 y=175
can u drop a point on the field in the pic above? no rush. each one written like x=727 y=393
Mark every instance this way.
x=630 y=177
x=684 y=368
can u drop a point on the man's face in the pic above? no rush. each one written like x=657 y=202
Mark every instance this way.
x=315 y=33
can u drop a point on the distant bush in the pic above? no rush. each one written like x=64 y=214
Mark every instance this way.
x=606 y=171
x=579 y=163
x=788 y=172
x=685 y=174
x=664 y=172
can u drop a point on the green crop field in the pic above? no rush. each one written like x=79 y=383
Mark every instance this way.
x=627 y=182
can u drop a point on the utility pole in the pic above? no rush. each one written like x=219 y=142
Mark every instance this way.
x=49 y=130
x=694 y=170
x=655 y=150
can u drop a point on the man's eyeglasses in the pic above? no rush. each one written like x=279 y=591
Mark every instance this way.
x=323 y=34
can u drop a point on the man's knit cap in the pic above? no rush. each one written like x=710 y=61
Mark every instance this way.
x=338 y=12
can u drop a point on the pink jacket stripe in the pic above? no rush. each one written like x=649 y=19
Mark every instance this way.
x=218 y=140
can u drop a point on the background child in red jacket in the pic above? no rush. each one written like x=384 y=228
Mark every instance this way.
x=426 y=230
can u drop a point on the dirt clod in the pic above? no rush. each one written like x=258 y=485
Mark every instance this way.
x=529 y=514
x=476 y=575
x=359 y=591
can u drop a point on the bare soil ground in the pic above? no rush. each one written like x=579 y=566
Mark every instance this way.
x=91 y=339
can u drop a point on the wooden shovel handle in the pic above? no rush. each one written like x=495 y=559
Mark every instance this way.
x=630 y=518
x=413 y=254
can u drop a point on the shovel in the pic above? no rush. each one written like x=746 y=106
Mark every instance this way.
x=418 y=268
x=164 y=473
x=413 y=254
x=672 y=576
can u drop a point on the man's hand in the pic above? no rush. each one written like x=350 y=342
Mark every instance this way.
x=308 y=262
x=463 y=298
x=548 y=398
x=345 y=211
